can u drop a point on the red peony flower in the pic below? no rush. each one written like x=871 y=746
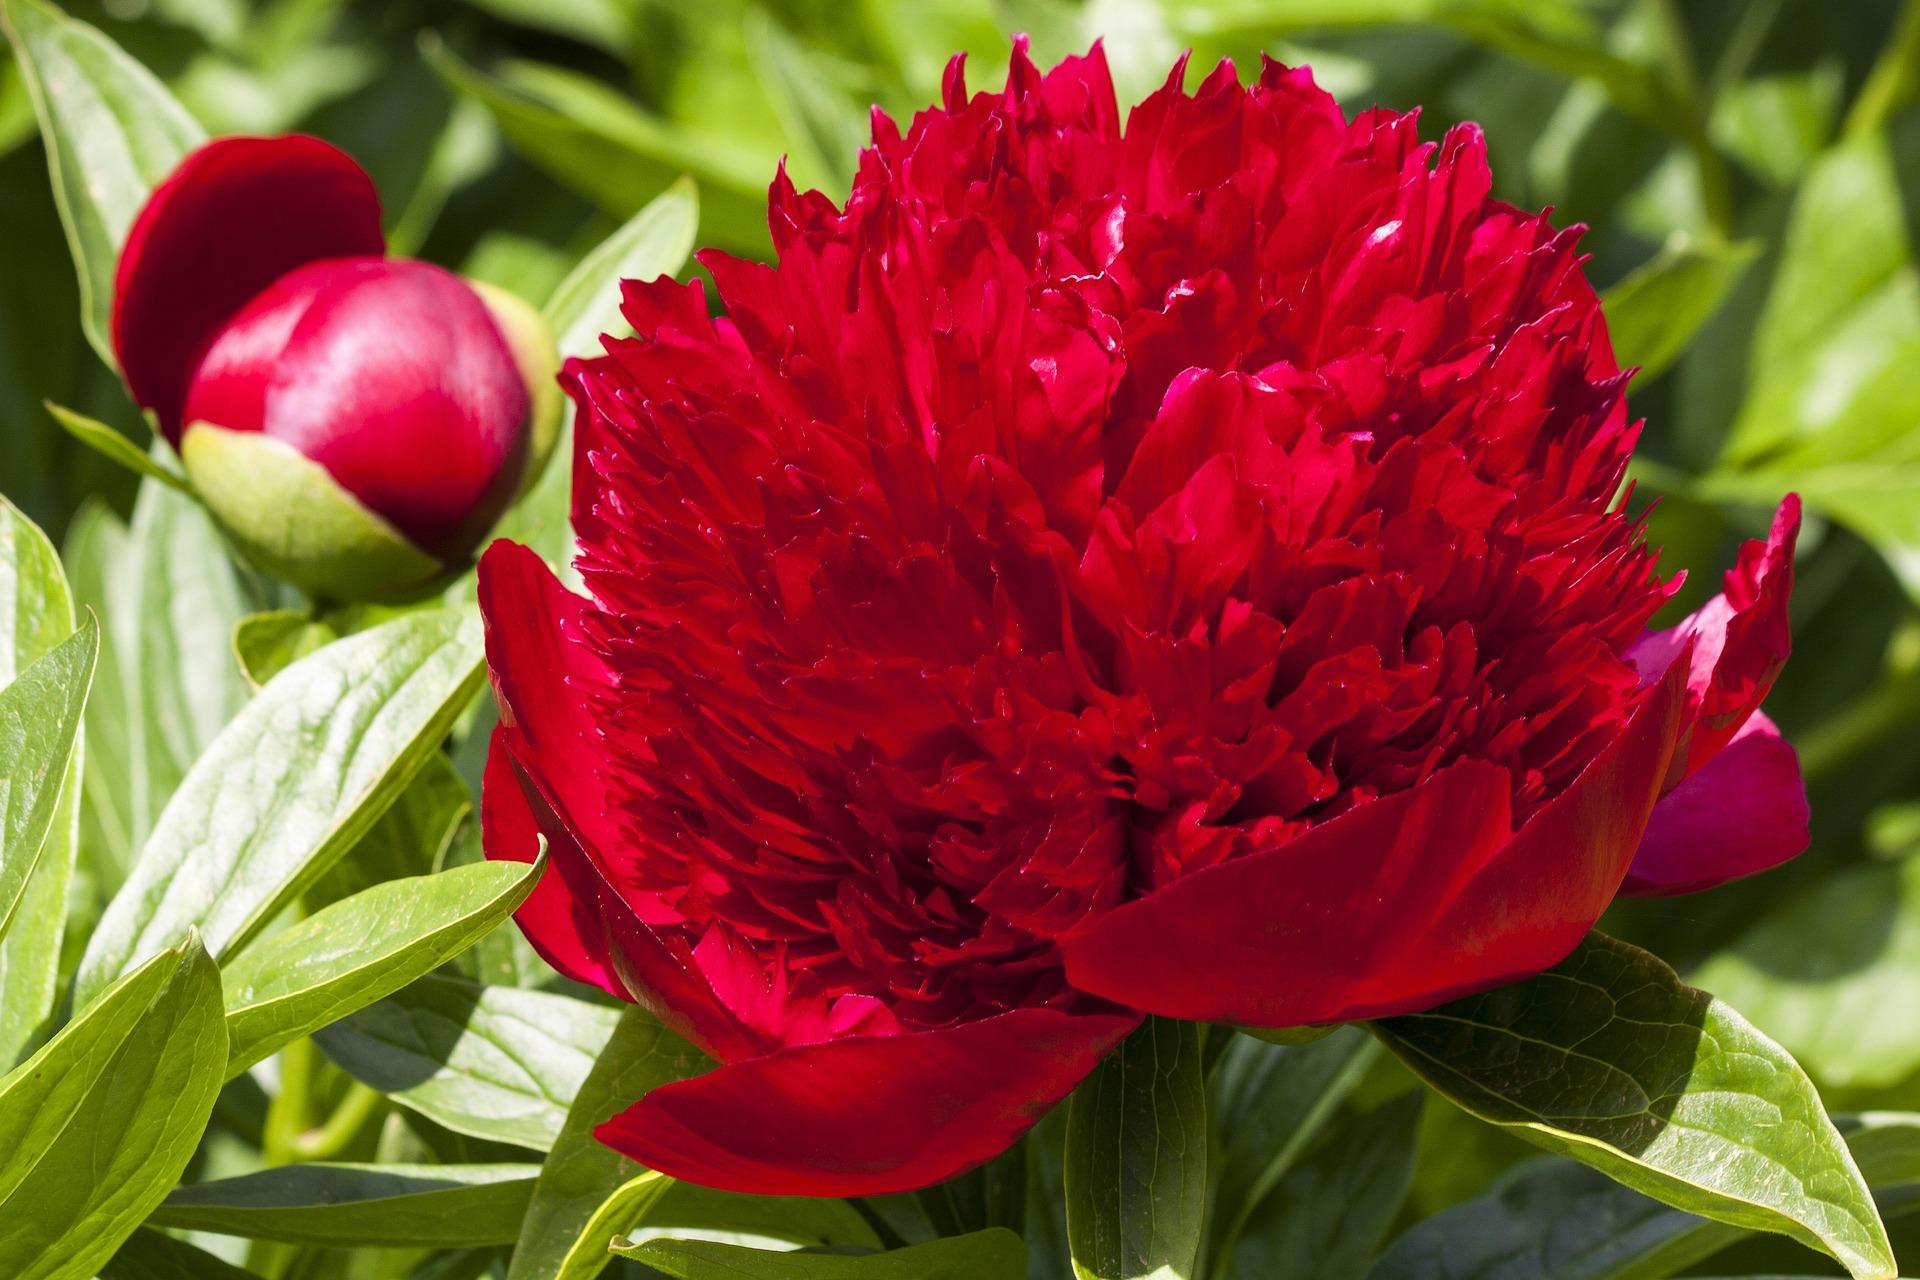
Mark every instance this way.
x=1180 y=568
x=358 y=422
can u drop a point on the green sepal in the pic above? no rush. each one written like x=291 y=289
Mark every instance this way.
x=289 y=517
x=531 y=342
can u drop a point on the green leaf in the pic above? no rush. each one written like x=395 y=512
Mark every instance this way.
x=824 y=126
x=994 y=1254
x=655 y=242
x=36 y=614
x=1608 y=1058
x=489 y=1062
x=588 y=1193
x=411 y=838
x=40 y=714
x=97 y=1125
x=267 y=643
x=168 y=597
x=362 y=949
x=1822 y=968
x=116 y=448
x=360 y=1204
x=1271 y=1103
x=601 y=144
x=36 y=609
x=288 y=787
x=1832 y=408
x=151 y=1255
x=1886 y=1145
x=685 y=1211
x=111 y=130
x=1655 y=312
x=1136 y=1162
x=1823 y=276
x=609 y=25
x=1555 y=1220
x=1326 y=1219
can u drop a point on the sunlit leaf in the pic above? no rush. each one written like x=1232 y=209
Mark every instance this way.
x=362 y=949
x=112 y=131
x=491 y=1062
x=1609 y=1059
x=288 y=787
x=97 y=1125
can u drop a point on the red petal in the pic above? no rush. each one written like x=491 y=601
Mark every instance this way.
x=563 y=926
x=390 y=373
x=1744 y=812
x=235 y=216
x=1397 y=905
x=1740 y=641
x=542 y=676
x=866 y=1115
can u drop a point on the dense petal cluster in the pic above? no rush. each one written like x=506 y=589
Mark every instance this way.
x=1177 y=568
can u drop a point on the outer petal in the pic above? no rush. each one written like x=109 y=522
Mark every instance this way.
x=866 y=1115
x=543 y=675
x=1743 y=812
x=1740 y=641
x=563 y=925
x=1397 y=905
x=235 y=216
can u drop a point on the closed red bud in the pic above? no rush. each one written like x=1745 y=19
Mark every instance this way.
x=356 y=422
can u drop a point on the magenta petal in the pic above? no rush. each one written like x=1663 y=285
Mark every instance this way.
x=866 y=1115
x=236 y=215
x=1740 y=638
x=1743 y=812
x=542 y=674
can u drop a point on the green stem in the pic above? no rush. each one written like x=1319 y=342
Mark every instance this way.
x=361 y=1106
x=1894 y=80
x=287 y=1113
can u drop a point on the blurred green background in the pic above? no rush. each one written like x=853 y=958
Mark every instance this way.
x=1749 y=169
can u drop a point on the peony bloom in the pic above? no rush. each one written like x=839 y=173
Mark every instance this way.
x=357 y=422
x=1179 y=568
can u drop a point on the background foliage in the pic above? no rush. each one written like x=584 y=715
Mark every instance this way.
x=1750 y=172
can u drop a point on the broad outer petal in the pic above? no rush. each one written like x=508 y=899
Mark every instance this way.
x=866 y=1115
x=539 y=662
x=563 y=925
x=1744 y=812
x=1397 y=905
x=236 y=215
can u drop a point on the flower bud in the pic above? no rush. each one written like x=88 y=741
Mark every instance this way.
x=357 y=423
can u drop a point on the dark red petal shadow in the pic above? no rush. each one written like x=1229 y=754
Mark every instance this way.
x=236 y=215
x=1744 y=812
x=538 y=659
x=866 y=1115
x=563 y=925
x=1397 y=905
